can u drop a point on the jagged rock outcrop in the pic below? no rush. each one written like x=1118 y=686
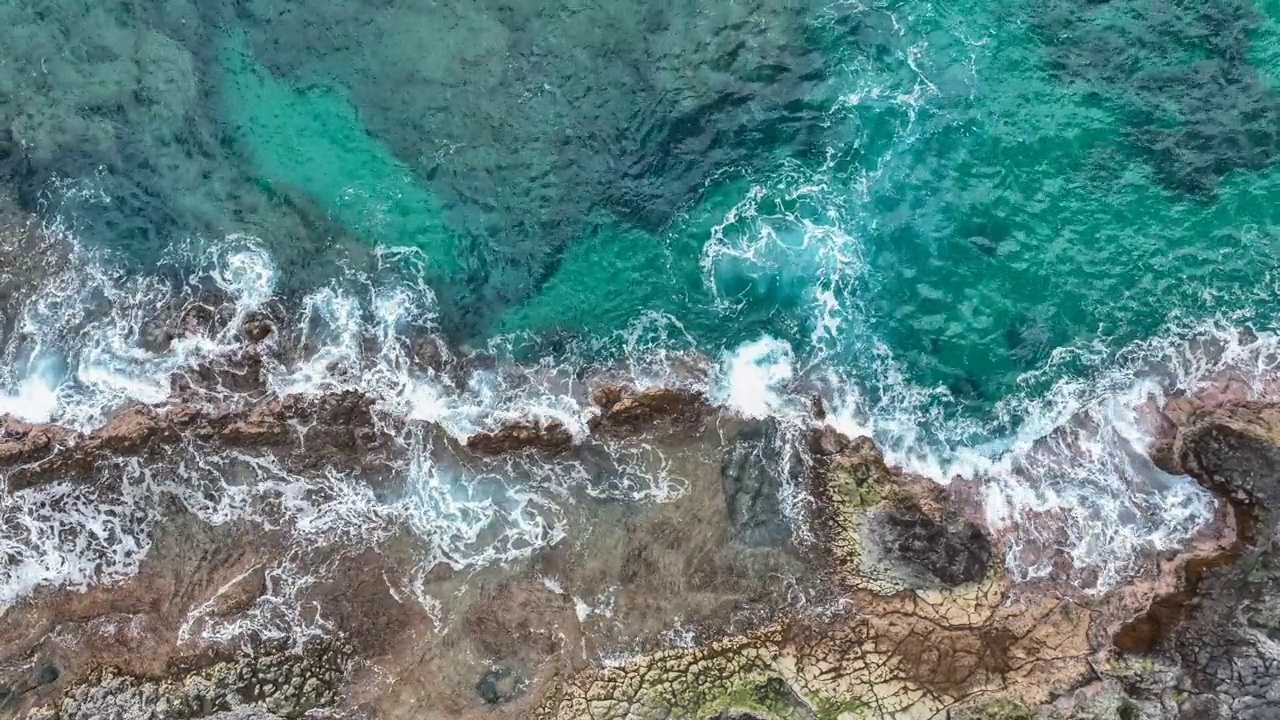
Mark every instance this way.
x=620 y=410
x=1228 y=639
x=912 y=616
x=624 y=409
x=337 y=429
x=546 y=436
x=274 y=684
x=887 y=532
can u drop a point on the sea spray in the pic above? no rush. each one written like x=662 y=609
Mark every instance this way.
x=81 y=347
x=752 y=380
x=465 y=515
x=1071 y=476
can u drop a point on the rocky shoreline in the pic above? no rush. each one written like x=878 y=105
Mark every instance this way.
x=893 y=602
x=878 y=594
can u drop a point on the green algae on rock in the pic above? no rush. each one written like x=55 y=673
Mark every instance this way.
x=275 y=685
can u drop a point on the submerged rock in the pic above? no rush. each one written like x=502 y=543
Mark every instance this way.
x=498 y=685
x=752 y=475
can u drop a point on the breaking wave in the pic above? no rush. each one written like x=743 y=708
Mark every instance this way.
x=1072 y=476
x=1061 y=460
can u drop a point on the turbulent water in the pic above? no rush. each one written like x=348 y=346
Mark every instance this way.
x=984 y=233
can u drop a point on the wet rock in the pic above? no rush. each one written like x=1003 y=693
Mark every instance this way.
x=336 y=429
x=953 y=555
x=257 y=327
x=625 y=409
x=817 y=408
x=47 y=450
x=546 y=436
x=241 y=595
x=519 y=621
x=196 y=320
x=827 y=441
x=431 y=353
x=47 y=674
x=752 y=476
x=1226 y=387
x=22 y=440
x=887 y=531
x=128 y=430
x=498 y=685
x=1232 y=668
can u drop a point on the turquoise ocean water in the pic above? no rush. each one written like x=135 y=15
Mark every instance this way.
x=958 y=214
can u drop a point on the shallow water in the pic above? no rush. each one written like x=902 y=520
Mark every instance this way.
x=986 y=232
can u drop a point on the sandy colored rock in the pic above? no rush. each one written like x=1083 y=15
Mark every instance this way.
x=884 y=651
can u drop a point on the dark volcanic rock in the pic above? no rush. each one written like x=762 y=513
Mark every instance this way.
x=1225 y=640
x=954 y=555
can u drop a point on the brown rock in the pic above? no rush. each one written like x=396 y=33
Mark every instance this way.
x=128 y=430
x=1177 y=411
x=1163 y=426
x=547 y=436
x=1226 y=387
x=431 y=353
x=242 y=594
x=22 y=440
x=827 y=441
x=257 y=328
x=624 y=409
x=519 y=620
x=337 y=429
x=197 y=320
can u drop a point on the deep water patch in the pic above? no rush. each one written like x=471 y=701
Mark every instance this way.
x=1180 y=76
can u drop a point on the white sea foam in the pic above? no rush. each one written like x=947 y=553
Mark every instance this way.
x=1072 y=475
x=35 y=399
x=80 y=348
x=752 y=379
x=70 y=535
x=81 y=351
